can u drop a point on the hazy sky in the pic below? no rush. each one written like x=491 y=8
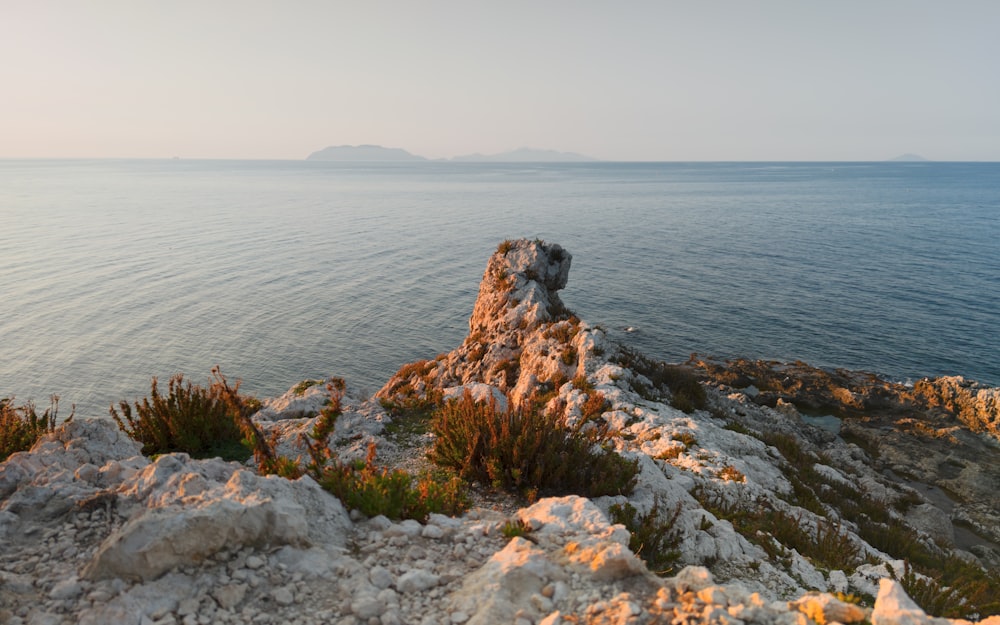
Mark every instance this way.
x=656 y=80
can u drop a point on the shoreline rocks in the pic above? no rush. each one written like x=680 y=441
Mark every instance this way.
x=93 y=532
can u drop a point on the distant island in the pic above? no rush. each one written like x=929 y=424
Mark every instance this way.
x=377 y=153
x=363 y=153
x=909 y=158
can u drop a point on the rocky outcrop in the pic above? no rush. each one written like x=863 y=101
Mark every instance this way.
x=938 y=432
x=92 y=532
x=945 y=400
x=520 y=333
x=976 y=406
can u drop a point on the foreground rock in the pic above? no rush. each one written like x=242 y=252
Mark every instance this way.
x=92 y=532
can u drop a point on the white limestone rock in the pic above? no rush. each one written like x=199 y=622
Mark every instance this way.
x=480 y=392
x=825 y=608
x=417 y=580
x=933 y=521
x=46 y=482
x=190 y=509
x=894 y=607
x=296 y=403
x=501 y=587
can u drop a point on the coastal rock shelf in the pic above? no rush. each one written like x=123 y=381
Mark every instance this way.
x=776 y=521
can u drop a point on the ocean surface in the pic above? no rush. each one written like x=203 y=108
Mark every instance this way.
x=114 y=271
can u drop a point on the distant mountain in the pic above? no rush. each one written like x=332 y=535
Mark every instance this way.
x=909 y=158
x=363 y=153
x=526 y=155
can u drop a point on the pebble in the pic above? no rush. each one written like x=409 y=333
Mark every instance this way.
x=283 y=596
x=255 y=562
x=416 y=580
x=380 y=577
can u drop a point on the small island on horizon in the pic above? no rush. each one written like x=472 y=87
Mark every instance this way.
x=909 y=158
x=380 y=154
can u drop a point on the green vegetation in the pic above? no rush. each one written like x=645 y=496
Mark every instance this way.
x=946 y=585
x=528 y=451
x=305 y=385
x=776 y=531
x=377 y=490
x=203 y=422
x=515 y=528
x=361 y=486
x=686 y=392
x=653 y=537
x=20 y=426
x=959 y=590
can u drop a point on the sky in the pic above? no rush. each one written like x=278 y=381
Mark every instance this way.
x=663 y=80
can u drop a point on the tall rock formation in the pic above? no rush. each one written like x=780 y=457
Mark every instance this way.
x=520 y=333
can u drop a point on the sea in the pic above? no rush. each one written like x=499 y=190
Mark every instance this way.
x=115 y=271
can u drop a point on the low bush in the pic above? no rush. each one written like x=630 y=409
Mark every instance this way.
x=730 y=473
x=595 y=406
x=653 y=537
x=20 y=426
x=959 y=590
x=515 y=528
x=374 y=490
x=361 y=486
x=776 y=530
x=527 y=451
x=202 y=422
x=305 y=385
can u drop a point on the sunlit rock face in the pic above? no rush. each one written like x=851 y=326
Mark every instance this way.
x=977 y=406
x=510 y=344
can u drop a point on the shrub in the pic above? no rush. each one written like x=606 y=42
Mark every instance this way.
x=652 y=538
x=374 y=490
x=528 y=451
x=361 y=486
x=959 y=589
x=305 y=385
x=568 y=356
x=731 y=474
x=595 y=406
x=201 y=422
x=20 y=426
x=738 y=428
x=687 y=438
x=515 y=528
x=775 y=531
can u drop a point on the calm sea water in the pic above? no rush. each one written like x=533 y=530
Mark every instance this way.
x=112 y=272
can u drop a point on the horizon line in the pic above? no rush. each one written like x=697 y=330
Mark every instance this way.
x=463 y=162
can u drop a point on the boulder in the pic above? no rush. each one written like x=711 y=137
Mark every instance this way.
x=187 y=510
